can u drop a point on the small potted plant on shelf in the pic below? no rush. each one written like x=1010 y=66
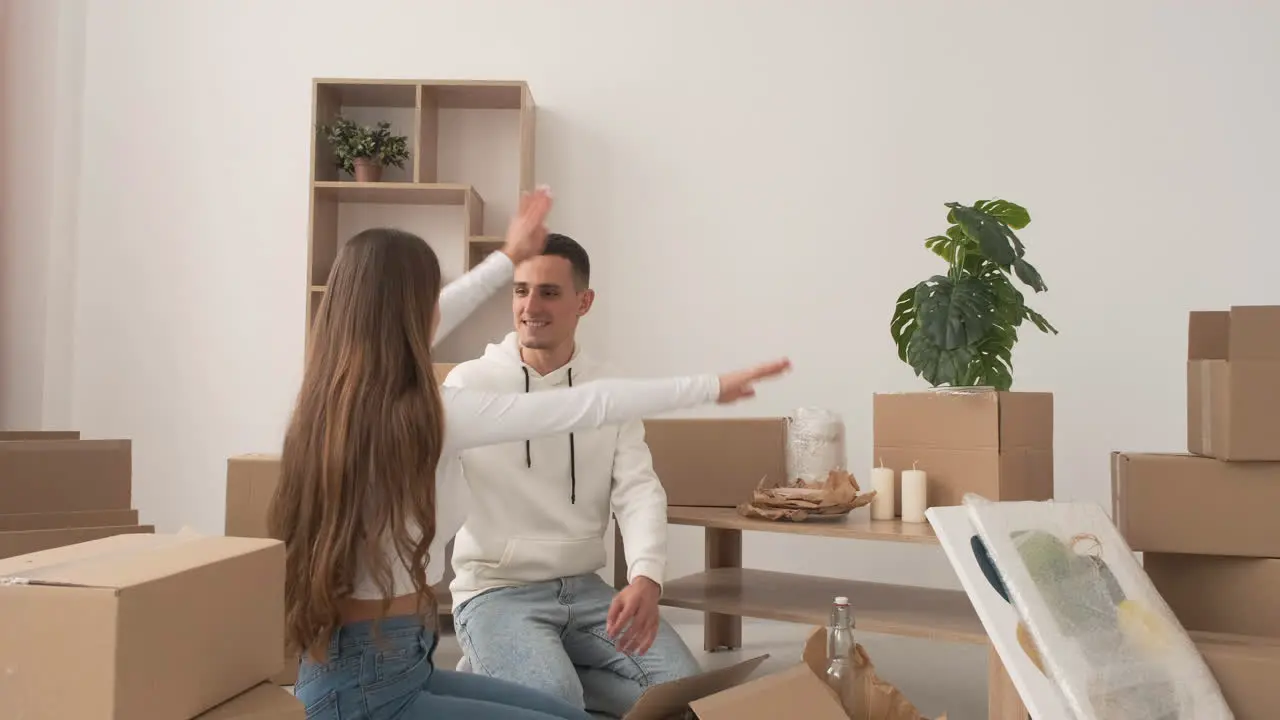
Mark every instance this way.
x=363 y=151
x=959 y=329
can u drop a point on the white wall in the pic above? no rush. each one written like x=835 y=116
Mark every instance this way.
x=41 y=85
x=791 y=157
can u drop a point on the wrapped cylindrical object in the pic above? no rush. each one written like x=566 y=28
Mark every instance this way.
x=815 y=445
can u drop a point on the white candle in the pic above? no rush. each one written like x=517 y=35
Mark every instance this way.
x=914 y=495
x=882 y=503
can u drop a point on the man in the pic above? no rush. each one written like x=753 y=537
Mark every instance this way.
x=528 y=605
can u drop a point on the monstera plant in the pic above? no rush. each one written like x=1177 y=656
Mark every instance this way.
x=959 y=329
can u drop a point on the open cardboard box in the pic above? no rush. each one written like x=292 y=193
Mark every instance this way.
x=797 y=692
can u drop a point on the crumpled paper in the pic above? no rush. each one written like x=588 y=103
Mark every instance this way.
x=866 y=696
x=839 y=494
x=878 y=699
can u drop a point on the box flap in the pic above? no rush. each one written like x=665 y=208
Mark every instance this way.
x=263 y=702
x=1254 y=333
x=660 y=702
x=122 y=561
x=793 y=693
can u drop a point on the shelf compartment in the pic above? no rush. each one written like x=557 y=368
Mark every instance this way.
x=481 y=246
x=436 y=95
x=903 y=610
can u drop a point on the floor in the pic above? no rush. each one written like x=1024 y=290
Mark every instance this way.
x=938 y=677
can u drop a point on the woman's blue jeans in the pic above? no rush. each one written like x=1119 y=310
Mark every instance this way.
x=391 y=676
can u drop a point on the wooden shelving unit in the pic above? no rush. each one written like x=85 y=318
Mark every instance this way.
x=341 y=207
x=415 y=108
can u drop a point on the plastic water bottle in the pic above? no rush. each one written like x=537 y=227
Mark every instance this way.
x=840 y=645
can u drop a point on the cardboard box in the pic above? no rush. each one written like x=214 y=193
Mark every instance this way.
x=1233 y=383
x=1178 y=503
x=63 y=520
x=44 y=476
x=801 y=691
x=716 y=462
x=996 y=444
x=671 y=699
x=1219 y=594
x=264 y=702
x=143 y=627
x=251 y=484
x=23 y=542
x=1246 y=669
x=11 y=435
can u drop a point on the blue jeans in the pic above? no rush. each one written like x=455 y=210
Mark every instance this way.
x=551 y=636
x=392 y=677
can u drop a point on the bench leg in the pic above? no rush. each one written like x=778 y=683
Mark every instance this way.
x=1003 y=701
x=724 y=550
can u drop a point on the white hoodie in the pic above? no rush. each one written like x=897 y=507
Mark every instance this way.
x=540 y=508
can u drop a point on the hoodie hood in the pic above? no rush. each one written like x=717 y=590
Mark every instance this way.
x=507 y=353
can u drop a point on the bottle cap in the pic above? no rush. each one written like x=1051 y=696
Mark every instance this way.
x=842 y=600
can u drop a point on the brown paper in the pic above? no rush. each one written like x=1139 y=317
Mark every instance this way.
x=837 y=495
x=875 y=699
x=867 y=697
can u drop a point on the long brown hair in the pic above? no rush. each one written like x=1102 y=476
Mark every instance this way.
x=360 y=454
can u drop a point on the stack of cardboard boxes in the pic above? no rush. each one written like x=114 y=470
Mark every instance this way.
x=145 y=627
x=58 y=489
x=1205 y=521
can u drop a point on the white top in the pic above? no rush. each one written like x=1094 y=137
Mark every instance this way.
x=540 y=507
x=475 y=418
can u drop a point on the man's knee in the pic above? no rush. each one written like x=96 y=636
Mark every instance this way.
x=670 y=658
x=502 y=643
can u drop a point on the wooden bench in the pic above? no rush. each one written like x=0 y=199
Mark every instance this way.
x=727 y=592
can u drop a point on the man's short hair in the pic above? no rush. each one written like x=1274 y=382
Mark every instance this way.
x=566 y=247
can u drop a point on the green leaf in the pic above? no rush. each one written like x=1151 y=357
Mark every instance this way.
x=942 y=246
x=936 y=365
x=956 y=313
x=1013 y=215
x=993 y=360
x=1027 y=273
x=1038 y=320
x=1008 y=299
x=904 y=321
x=995 y=239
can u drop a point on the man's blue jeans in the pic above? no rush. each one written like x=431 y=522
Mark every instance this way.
x=390 y=676
x=551 y=636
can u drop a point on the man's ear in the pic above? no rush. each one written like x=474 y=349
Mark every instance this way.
x=584 y=302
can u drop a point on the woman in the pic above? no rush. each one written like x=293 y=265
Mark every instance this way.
x=372 y=490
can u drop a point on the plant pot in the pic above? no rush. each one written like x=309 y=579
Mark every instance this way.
x=367 y=170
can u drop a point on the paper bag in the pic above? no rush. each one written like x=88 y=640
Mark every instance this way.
x=867 y=697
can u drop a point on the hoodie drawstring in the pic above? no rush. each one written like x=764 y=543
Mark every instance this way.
x=573 y=465
x=528 y=452
x=528 y=456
